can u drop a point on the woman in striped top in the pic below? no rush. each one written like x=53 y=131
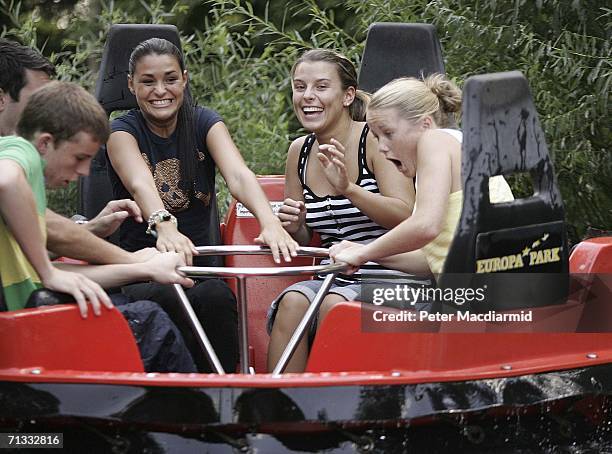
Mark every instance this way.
x=336 y=184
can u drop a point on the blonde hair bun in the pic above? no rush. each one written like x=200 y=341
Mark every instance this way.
x=447 y=92
x=414 y=98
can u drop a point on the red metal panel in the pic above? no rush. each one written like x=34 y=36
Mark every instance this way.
x=591 y=268
x=57 y=337
x=600 y=346
x=592 y=256
x=459 y=353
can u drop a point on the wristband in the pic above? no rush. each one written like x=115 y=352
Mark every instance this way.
x=79 y=219
x=157 y=217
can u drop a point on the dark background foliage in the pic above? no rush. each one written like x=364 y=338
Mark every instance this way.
x=239 y=55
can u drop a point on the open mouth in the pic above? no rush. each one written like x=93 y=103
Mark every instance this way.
x=400 y=167
x=311 y=111
x=397 y=163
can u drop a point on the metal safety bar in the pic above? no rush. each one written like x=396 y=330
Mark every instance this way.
x=241 y=274
x=302 y=251
x=303 y=325
x=200 y=334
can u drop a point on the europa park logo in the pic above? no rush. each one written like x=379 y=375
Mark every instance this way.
x=528 y=256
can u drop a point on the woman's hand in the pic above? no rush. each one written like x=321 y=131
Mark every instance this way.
x=278 y=239
x=83 y=289
x=350 y=253
x=162 y=268
x=331 y=157
x=169 y=239
x=292 y=215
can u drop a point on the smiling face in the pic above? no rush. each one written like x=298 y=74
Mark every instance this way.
x=319 y=100
x=397 y=138
x=159 y=83
x=67 y=160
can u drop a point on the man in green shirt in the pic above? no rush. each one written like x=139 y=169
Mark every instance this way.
x=20 y=165
x=24 y=70
x=61 y=129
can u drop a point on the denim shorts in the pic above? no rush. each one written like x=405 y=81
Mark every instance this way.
x=309 y=289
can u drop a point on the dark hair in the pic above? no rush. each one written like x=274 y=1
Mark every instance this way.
x=187 y=149
x=63 y=109
x=14 y=60
x=347 y=74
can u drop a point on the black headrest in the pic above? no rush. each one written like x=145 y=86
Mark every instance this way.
x=502 y=135
x=111 y=88
x=395 y=50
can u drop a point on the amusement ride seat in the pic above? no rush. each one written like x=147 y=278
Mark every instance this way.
x=113 y=94
x=241 y=227
x=494 y=242
x=395 y=50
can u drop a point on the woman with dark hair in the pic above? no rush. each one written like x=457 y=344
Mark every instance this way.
x=336 y=184
x=163 y=155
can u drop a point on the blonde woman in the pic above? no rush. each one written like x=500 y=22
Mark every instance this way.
x=409 y=117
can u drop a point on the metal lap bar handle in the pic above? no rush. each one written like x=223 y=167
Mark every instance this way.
x=242 y=273
x=303 y=325
x=200 y=334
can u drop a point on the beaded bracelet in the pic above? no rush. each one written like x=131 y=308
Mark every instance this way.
x=159 y=216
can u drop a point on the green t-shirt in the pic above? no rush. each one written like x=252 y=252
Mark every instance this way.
x=18 y=277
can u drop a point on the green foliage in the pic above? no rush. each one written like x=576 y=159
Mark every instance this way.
x=563 y=49
x=239 y=55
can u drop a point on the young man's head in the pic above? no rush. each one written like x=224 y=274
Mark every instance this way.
x=23 y=70
x=67 y=126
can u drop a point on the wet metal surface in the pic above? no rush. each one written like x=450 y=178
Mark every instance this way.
x=516 y=414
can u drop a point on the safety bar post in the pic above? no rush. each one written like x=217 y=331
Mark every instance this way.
x=243 y=333
x=303 y=325
x=200 y=334
x=241 y=274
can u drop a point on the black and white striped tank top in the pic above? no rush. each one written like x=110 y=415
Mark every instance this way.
x=335 y=217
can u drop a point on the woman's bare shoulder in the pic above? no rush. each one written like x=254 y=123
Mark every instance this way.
x=438 y=139
x=296 y=145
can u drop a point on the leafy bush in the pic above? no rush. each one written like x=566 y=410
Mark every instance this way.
x=562 y=48
x=240 y=54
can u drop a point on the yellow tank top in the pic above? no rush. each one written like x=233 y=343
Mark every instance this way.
x=437 y=250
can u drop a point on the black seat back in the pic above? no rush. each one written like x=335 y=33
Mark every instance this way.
x=493 y=242
x=112 y=88
x=395 y=50
x=113 y=93
x=3 y=306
